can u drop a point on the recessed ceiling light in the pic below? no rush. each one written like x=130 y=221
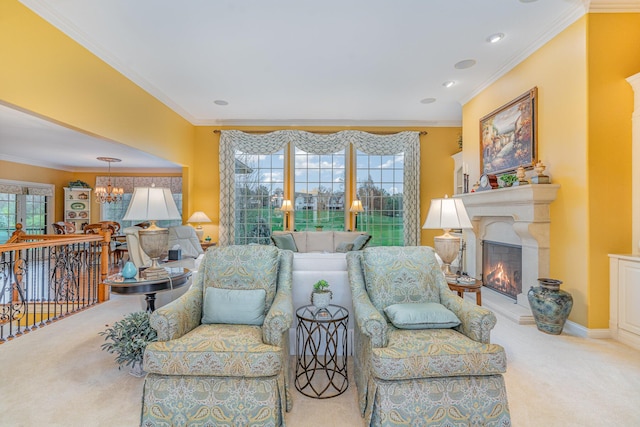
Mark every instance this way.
x=220 y=102
x=495 y=38
x=428 y=101
x=448 y=84
x=527 y=1
x=467 y=63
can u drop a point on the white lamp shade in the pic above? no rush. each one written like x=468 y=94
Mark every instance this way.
x=151 y=203
x=447 y=214
x=198 y=217
x=286 y=206
x=356 y=206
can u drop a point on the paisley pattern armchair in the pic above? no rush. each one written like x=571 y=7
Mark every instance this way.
x=421 y=377
x=219 y=374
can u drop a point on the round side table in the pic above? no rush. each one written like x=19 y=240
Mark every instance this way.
x=321 y=372
x=461 y=288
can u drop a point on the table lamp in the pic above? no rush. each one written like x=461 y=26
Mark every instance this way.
x=447 y=214
x=356 y=207
x=286 y=208
x=152 y=204
x=198 y=218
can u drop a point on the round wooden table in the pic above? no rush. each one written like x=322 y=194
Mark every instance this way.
x=461 y=288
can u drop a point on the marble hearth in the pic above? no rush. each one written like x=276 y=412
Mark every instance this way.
x=518 y=216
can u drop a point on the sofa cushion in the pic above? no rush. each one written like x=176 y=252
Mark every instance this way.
x=396 y=275
x=234 y=306
x=218 y=350
x=284 y=241
x=344 y=247
x=425 y=353
x=361 y=241
x=320 y=241
x=428 y=315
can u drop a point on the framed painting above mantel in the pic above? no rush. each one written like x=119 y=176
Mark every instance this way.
x=508 y=135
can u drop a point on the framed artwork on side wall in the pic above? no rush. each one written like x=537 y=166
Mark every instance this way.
x=508 y=136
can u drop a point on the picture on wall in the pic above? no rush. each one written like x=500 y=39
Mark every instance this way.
x=508 y=136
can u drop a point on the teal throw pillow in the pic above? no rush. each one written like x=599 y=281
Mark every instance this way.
x=284 y=241
x=234 y=306
x=344 y=247
x=360 y=242
x=428 y=315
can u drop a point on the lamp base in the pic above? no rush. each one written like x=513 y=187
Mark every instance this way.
x=155 y=243
x=199 y=232
x=447 y=247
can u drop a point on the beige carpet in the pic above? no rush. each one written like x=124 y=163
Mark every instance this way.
x=58 y=376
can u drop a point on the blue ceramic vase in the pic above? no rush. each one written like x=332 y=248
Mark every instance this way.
x=129 y=270
x=550 y=305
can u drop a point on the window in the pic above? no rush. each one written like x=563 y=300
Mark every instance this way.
x=25 y=203
x=319 y=190
x=380 y=187
x=115 y=211
x=259 y=184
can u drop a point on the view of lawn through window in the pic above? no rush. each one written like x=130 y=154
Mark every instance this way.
x=30 y=210
x=319 y=183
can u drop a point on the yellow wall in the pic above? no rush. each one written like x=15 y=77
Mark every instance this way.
x=613 y=43
x=45 y=72
x=436 y=178
x=584 y=137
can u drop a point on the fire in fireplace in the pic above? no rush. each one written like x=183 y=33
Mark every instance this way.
x=502 y=267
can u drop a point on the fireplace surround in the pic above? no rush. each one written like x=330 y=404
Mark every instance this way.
x=518 y=216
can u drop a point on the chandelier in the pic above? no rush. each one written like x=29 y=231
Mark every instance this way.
x=109 y=194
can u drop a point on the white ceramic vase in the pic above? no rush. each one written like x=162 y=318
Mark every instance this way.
x=321 y=299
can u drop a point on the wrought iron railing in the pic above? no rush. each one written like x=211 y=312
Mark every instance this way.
x=44 y=278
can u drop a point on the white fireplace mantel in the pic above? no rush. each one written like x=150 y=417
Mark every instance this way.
x=517 y=215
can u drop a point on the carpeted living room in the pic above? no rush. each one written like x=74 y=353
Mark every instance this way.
x=458 y=178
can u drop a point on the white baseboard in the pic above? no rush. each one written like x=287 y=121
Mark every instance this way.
x=578 y=330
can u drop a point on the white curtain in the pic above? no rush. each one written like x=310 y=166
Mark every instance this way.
x=402 y=142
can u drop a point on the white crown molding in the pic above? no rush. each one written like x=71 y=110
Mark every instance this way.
x=614 y=6
x=331 y=123
x=559 y=25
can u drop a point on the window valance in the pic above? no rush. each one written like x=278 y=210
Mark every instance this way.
x=128 y=183
x=407 y=142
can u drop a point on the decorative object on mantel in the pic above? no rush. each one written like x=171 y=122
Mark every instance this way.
x=447 y=214
x=321 y=295
x=508 y=179
x=521 y=175
x=128 y=338
x=540 y=177
x=488 y=181
x=475 y=187
x=550 y=305
x=508 y=135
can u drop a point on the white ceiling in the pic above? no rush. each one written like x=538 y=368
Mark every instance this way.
x=304 y=62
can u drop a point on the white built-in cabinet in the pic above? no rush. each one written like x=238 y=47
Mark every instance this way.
x=624 y=313
x=77 y=207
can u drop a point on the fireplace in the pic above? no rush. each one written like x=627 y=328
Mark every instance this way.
x=517 y=216
x=502 y=267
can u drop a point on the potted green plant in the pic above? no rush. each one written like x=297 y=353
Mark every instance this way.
x=508 y=179
x=321 y=295
x=128 y=338
x=319 y=227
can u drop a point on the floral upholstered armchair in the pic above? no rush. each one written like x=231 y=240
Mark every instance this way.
x=222 y=351
x=422 y=354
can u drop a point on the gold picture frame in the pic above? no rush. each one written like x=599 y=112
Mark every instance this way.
x=509 y=136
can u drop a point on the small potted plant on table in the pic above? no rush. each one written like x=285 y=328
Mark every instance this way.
x=129 y=337
x=321 y=295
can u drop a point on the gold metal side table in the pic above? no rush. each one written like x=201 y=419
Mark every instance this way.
x=321 y=351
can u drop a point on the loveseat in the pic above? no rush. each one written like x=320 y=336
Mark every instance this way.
x=320 y=241
x=316 y=258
